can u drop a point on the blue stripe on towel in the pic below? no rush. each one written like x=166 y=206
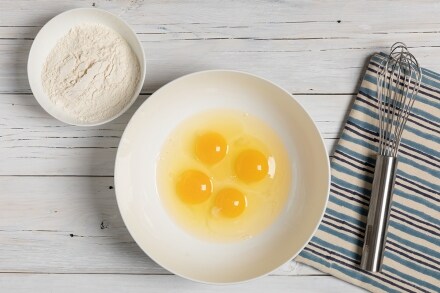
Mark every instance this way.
x=347 y=271
x=403 y=159
x=346 y=252
x=417 y=213
x=412 y=279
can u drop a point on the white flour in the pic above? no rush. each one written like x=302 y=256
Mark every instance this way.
x=91 y=73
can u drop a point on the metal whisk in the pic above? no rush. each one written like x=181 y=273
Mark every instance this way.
x=398 y=82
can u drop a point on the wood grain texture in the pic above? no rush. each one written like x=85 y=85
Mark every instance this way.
x=34 y=143
x=141 y=283
x=305 y=46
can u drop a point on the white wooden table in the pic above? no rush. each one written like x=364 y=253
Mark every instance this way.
x=60 y=229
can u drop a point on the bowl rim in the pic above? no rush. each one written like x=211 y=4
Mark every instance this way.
x=142 y=65
x=321 y=141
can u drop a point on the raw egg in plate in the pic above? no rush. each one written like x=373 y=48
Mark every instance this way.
x=221 y=177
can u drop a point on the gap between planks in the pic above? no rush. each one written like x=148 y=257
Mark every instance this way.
x=142 y=274
x=151 y=93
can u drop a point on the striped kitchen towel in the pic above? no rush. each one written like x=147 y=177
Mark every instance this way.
x=412 y=254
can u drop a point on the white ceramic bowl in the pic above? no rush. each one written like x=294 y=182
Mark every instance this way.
x=148 y=221
x=56 y=28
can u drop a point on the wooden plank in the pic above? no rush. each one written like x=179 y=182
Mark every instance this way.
x=140 y=283
x=34 y=143
x=252 y=11
x=306 y=47
x=72 y=225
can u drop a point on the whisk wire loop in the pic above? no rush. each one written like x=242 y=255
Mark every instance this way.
x=398 y=82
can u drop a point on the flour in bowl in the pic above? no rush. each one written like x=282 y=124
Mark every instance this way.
x=91 y=73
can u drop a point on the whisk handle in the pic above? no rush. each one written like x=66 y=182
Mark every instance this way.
x=379 y=213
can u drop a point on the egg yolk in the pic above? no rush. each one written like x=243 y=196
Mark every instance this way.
x=230 y=202
x=251 y=166
x=194 y=186
x=210 y=148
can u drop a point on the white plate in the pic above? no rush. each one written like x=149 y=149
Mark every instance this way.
x=55 y=29
x=148 y=221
